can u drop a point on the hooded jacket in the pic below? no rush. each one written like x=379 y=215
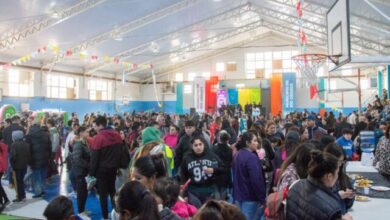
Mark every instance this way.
x=40 y=147
x=7 y=133
x=20 y=155
x=105 y=151
x=192 y=168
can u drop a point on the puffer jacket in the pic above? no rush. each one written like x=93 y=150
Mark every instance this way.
x=167 y=214
x=20 y=155
x=40 y=147
x=308 y=199
x=80 y=158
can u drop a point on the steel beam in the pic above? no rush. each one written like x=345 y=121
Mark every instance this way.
x=8 y=39
x=222 y=16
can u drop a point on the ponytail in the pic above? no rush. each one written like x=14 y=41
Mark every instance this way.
x=321 y=164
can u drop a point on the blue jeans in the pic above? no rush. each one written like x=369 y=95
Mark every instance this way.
x=251 y=209
x=38 y=180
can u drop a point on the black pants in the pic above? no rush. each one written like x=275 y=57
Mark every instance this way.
x=19 y=182
x=105 y=181
x=82 y=193
x=3 y=196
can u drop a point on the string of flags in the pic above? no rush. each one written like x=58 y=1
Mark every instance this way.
x=82 y=55
x=302 y=37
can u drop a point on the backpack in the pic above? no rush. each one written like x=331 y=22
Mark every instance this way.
x=276 y=204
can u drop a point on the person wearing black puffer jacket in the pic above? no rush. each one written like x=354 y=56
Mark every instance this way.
x=80 y=166
x=200 y=165
x=312 y=198
x=40 y=148
x=225 y=154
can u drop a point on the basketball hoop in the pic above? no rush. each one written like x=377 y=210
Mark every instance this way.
x=308 y=65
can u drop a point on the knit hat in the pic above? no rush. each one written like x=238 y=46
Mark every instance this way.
x=17 y=135
x=311 y=118
x=149 y=135
x=292 y=135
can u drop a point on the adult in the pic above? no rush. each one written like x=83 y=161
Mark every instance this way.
x=295 y=166
x=214 y=128
x=55 y=145
x=224 y=152
x=106 y=153
x=271 y=131
x=227 y=127
x=7 y=136
x=80 y=166
x=312 y=198
x=315 y=132
x=249 y=188
x=39 y=141
x=3 y=167
x=60 y=208
x=341 y=126
x=382 y=154
x=20 y=156
x=135 y=201
x=149 y=168
x=164 y=129
x=171 y=138
x=200 y=165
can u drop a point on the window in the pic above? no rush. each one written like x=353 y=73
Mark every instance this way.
x=191 y=76
x=179 y=77
x=220 y=67
x=269 y=62
x=61 y=87
x=19 y=83
x=206 y=75
x=99 y=89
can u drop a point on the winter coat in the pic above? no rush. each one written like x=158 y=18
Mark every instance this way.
x=171 y=140
x=225 y=154
x=184 y=210
x=20 y=155
x=382 y=156
x=248 y=177
x=40 y=147
x=80 y=158
x=55 y=139
x=106 y=151
x=192 y=168
x=316 y=132
x=3 y=157
x=309 y=199
x=184 y=146
x=167 y=214
x=7 y=133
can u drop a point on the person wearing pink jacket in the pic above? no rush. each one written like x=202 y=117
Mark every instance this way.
x=171 y=138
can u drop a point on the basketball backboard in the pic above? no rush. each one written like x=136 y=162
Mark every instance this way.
x=339 y=39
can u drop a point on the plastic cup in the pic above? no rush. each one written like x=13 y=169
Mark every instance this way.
x=366 y=190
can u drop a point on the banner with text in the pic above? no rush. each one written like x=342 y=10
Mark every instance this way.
x=289 y=87
x=199 y=94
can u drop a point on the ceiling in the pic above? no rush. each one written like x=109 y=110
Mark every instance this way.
x=170 y=33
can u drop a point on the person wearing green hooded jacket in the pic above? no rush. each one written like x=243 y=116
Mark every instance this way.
x=152 y=145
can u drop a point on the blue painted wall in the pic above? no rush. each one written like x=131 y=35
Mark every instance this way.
x=83 y=106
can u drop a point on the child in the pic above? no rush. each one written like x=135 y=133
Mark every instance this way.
x=171 y=138
x=19 y=156
x=346 y=143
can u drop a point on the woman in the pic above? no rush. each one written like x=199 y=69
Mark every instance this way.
x=343 y=186
x=312 y=198
x=295 y=167
x=4 y=201
x=249 y=188
x=303 y=134
x=226 y=126
x=171 y=138
x=214 y=128
x=271 y=131
x=147 y=169
x=134 y=201
x=200 y=165
x=382 y=154
x=80 y=166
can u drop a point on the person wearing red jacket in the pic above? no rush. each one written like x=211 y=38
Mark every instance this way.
x=3 y=167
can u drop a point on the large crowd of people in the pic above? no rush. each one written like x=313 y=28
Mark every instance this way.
x=227 y=165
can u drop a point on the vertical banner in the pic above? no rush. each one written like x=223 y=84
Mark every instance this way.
x=276 y=94
x=380 y=83
x=289 y=86
x=249 y=96
x=321 y=94
x=179 y=98
x=211 y=94
x=199 y=94
x=222 y=98
x=233 y=96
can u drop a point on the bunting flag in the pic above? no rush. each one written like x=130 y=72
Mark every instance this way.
x=82 y=55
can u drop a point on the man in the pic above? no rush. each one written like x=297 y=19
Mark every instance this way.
x=40 y=148
x=346 y=143
x=7 y=135
x=352 y=118
x=315 y=132
x=105 y=161
x=162 y=125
